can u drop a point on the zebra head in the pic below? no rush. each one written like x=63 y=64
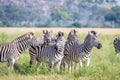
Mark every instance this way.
x=93 y=39
x=47 y=36
x=116 y=40
x=31 y=38
x=60 y=42
x=36 y=41
x=73 y=35
x=30 y=35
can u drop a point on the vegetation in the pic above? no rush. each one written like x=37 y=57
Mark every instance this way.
x=104 y=64
x=62 y=13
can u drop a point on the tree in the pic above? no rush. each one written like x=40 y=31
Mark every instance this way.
x=113 y=16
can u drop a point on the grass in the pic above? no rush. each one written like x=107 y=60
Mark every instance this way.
x=104 y=64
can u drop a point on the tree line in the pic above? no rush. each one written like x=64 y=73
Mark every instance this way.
x=59 y=13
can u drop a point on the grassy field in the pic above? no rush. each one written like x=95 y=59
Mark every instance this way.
x=104 y=64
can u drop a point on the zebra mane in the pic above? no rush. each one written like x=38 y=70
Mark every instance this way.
x=22 y=36
x=91 y=32
x=60 y=34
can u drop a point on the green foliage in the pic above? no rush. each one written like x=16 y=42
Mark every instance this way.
x=88 y=13
x=76 y=25
x=114 y=16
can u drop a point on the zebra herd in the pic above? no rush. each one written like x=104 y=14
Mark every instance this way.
x=53 y=51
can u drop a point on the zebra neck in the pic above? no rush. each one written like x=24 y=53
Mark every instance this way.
x=22 y=45
x=87 y=48
x=73 y=42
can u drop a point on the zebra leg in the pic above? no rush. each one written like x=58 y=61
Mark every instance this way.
x=11 y=64
x=81 y=62
x=51 y=67
x=75 y=65
x=63 y=65
x=88 y=61
x=70 y=66
x=58 y=65
x=32 y=60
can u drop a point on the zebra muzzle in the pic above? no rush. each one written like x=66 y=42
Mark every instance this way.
x=99 y=46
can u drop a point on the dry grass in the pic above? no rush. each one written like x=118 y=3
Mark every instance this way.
x=66 y=30
x=34 y=77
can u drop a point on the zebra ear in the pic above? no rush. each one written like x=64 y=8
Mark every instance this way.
x=93 y=32
x=76 y=32
x=44 y=32
x=90 y=33
x=72 y=32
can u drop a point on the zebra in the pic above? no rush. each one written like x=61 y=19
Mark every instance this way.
x=52 y=54
x=84 y=50
x=10 y=52
x=71 y=47
x=91 y=40
x=116 y=44
x=47 y=40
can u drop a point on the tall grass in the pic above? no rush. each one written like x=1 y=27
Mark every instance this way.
x=104 y=64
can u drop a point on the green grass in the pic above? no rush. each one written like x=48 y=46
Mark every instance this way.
x=104 y=64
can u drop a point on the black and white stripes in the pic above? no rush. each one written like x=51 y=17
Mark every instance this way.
x=10 y=52
x=75 y=52
x=71 y=49
x=52 y=51
x=52 y=54
x=90 y=41
x=47 y=40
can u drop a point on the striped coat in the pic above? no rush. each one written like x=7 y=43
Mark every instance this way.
x=83 y=51
x=47 y=40
x=10 y=52
x=52 y=54
x=71 y=49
